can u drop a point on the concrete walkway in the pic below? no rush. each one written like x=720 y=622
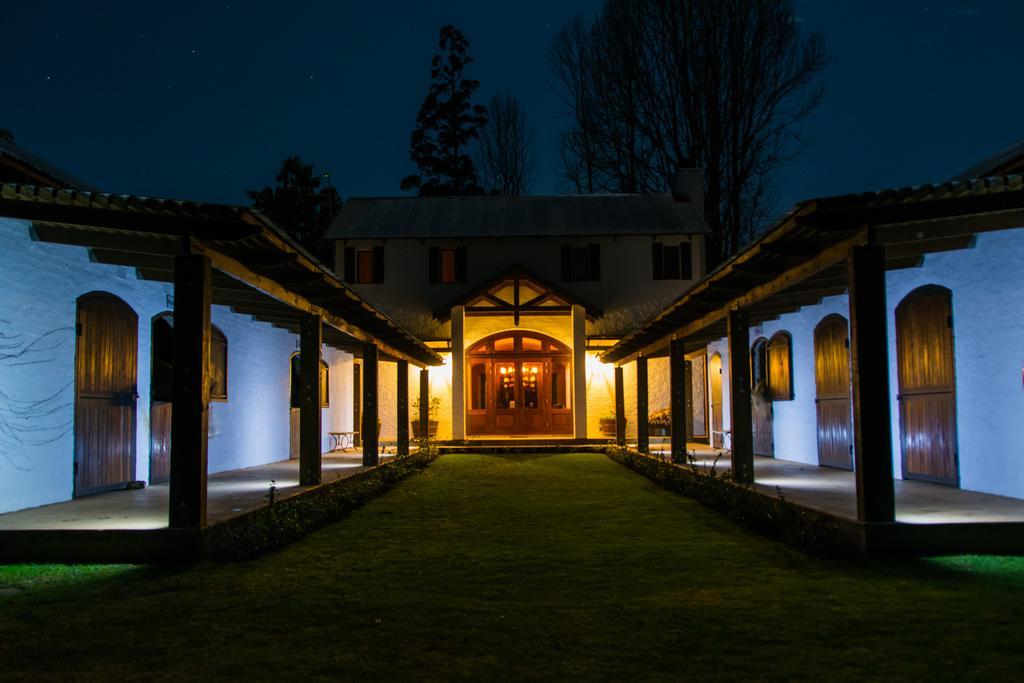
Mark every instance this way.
x=228 y=495
x=835 y=491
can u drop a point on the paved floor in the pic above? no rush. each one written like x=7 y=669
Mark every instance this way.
x=834 y=491
x=228 y=494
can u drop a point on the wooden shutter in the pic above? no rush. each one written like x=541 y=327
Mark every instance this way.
x=594 y=270
x=657 y=261
x=686 y=261
x=780 y=367
x=461 y=264
x=378 y=264
x=566 y=263
x=350 y=264
x=434 y=265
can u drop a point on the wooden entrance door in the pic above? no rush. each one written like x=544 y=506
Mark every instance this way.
x=927 y=387
x=715 y=372
x=106 y=363
x=518 y=384
x=161 y=393
x=761 y=406
x=832 y=382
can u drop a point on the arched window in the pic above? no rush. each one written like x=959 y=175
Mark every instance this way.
x=218 y=365
x=780 y=367
x=296 y=383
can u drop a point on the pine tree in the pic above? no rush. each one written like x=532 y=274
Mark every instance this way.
x=299 y=206
x=446 y=124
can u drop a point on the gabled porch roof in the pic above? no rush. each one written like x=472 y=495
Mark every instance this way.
x=514 y=291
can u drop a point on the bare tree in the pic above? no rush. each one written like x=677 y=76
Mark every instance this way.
x=655 y=85
x=505 y=154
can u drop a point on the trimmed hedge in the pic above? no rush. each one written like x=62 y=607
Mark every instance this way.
x=813 y=532
x=282 y=521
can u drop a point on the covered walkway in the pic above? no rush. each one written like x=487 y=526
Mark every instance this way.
x=229 y=494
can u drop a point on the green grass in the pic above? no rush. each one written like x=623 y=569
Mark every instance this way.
x=491 y=567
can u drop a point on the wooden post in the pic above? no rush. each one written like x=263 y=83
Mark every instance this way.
x=402 y=411
x=579 y=371
x=620 y=408
x=458 y=326
x=739 y=397
x=643 y=438
x=189 y=416
x=678 y=380
x=869 y=364
x=310 y=435
x=371 y=437
x=424 y=403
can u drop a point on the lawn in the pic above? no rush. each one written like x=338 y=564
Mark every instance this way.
x=545 y=567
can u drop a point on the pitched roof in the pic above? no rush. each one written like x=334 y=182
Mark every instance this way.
x=530 y=216
x=1004 y=162
x=32 y=168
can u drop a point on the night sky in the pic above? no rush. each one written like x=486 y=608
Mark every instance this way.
x=202 y=100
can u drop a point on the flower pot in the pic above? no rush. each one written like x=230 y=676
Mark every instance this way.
x=608 y=426
x=431 y=428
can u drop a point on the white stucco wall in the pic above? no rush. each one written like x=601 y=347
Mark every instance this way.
x=627 y=292
x=988 y=324
x=41 y=283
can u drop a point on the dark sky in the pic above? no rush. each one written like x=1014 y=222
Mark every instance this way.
x=202 y=100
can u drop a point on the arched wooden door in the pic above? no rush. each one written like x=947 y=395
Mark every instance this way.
x=715 y=373
x=161 y=393
x=519 y=383
x=832 y=382
x=927 y=386
x=106 y=363
x=761 y=406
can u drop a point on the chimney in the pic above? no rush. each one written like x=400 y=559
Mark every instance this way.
x=688 y=186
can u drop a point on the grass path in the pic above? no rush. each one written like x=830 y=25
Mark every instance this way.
x=548 y=567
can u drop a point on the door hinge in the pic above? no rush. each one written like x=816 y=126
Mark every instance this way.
x=78 y=329
x=846 y=342
x=851 y=449
x=76 y=468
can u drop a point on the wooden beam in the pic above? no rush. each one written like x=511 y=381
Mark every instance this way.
x=742 y=423
x=310 y=461
x=100 y=239
x=678 y=379
x=371 y=436
x=424 y=415
x=189 y=417
x=796 y=274
x=869 y=364
x=620 y=408
x=643 y=438
x=237 y=270
x=168 y=222
x=402 y=410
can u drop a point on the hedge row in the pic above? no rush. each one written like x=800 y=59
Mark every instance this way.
x=811 y=531
x=282 y=521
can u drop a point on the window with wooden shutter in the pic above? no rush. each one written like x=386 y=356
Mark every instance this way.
x=447 y=265
x=581 y=264
x=672 y=261
x=780 y=367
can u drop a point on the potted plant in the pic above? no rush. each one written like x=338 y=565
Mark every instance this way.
x=607 y=424
x=659 y=423
x=433 y=405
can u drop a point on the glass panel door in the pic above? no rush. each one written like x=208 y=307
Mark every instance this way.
x=533 y=408
x=506 y=397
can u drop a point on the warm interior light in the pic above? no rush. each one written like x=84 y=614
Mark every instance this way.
x=504 y=371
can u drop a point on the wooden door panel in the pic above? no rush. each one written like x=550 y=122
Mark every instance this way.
x=293 y=433
x=762 y=414
x=106 y=359
x=928 y=436
x=159 y=441
x=715 y=371
x=927 y=386
x=832 y=386
x=835 y=433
